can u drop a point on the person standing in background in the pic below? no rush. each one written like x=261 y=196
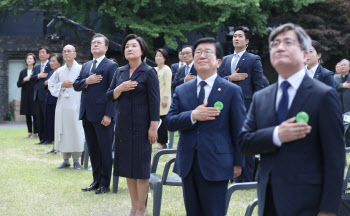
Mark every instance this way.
x=27 y=106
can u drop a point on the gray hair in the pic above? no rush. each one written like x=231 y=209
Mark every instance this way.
x=100 y=35
x=303 y=37
x=345 y=60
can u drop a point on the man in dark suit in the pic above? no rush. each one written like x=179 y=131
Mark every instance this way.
x=174 y=67
x=97 y=114
x=342 y=84
x=40 y=73
x=302 y=162
x=187 y=72
x=245 y=70
x=207 y=152
x=314 y=68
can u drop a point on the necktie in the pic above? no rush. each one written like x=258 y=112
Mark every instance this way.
x=283 y=105
x=187 y=70
x=93 y=67
x=234 y=63
x=201 y=93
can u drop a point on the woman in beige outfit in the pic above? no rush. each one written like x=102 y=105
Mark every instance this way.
x=164 y=75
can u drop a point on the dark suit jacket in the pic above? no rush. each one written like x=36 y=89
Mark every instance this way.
x=180 y=76
x=49 y=98
x=250 y=64
x=343 y=92
x=39 y=89
x=215 y=141
x=93 y=102
x=306 y=174
x=325 y=76
x=174 y=68
x=27 y=92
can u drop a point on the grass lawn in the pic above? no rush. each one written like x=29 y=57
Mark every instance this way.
x=30 y=185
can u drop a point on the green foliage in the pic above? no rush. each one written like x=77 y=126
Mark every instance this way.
x=164 y=21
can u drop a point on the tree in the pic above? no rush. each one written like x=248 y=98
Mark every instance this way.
x=162 y=21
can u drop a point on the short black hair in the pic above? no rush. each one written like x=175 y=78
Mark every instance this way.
x=219 y=51
x=245 y=30
x=317 y=46
x=100 y=35
x=140 y=40
x=59 y=57
x=164 y=53
x=45 y=48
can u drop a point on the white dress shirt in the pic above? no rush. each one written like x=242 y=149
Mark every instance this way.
x=239 y=57
x=189 y=70
x=207 y=88
x=42 y=67
x=99 y=59
x=311 y=72
x=295 y=81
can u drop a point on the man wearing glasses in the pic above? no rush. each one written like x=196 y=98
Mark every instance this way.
x=187 y=72
x=209 y=113
x=296 y=127
x=97 y=114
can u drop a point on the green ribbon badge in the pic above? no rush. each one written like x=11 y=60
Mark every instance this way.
x=302 y=117
x=219 y=105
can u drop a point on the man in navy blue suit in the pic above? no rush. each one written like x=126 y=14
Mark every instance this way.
x=302 y=156
x=207 y=153
x=39 y=75
x=245 y=70
x=314 y=68
x=97 y=114
x=187 y=72
x=174 y=67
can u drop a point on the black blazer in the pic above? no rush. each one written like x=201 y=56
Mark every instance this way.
x=27 y=94
x=180 y=76
x=39 y=89
x=306 y=174
x=93 y=102
x=325 y=76
x=344 y=93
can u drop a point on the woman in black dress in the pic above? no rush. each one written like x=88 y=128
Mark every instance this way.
x=136 y=88
x=27 y=106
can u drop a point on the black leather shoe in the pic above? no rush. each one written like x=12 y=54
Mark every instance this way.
x=102 y=189
x=47 y=142
x=41 y=142
x=93 y=186
x=63 y=165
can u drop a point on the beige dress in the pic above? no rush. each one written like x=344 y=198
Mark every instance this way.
x=164 y=76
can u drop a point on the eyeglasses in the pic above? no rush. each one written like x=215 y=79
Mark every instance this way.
x=96 y=42
x=207 y=53
x=67 y=51
x=286 y=43
x=186 y=53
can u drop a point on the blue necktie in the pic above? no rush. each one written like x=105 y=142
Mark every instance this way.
x=282 y=109
x=201 y=93
x=93 y=67
x=187 y=70
x=234 y=63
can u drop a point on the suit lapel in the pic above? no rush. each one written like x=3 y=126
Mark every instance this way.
x=228 y=64
x=101 y=65
x=242 y=60
x=302 y=95
x=138 y=71
x=271 y=111
x=215 y=94
x=192 y=94
x=318 y=72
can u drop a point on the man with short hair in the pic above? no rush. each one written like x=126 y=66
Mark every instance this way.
x=209 y=113
x=342 y=83
x=69 y=133
x=176 y=66
x=337 y=68
x=40 y=73
x=314 y=68
x=97 y=114
x=187 y=72
x=245 y=70
x=296 y=127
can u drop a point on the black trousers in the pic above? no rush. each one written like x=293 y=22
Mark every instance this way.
x=203 y=197
x=40 y=114
x=269 y=209
x=99 y=140
x=50 y=122
x=162 y=132
x=32 y=124
x=247 y=170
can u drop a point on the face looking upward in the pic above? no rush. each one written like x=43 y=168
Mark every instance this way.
x=132 y=50
x=98 y=47
x=312 y=58
x=205 y=60
x=239 y=41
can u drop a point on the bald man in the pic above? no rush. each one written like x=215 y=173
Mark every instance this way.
x=69 y=132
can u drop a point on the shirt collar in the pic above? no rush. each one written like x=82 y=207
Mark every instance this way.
x=313 y=69
x=240 y=53
x=45 y=62
x=190 y=65
x=294 y=80
x=99 y=59
x=210 y=80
